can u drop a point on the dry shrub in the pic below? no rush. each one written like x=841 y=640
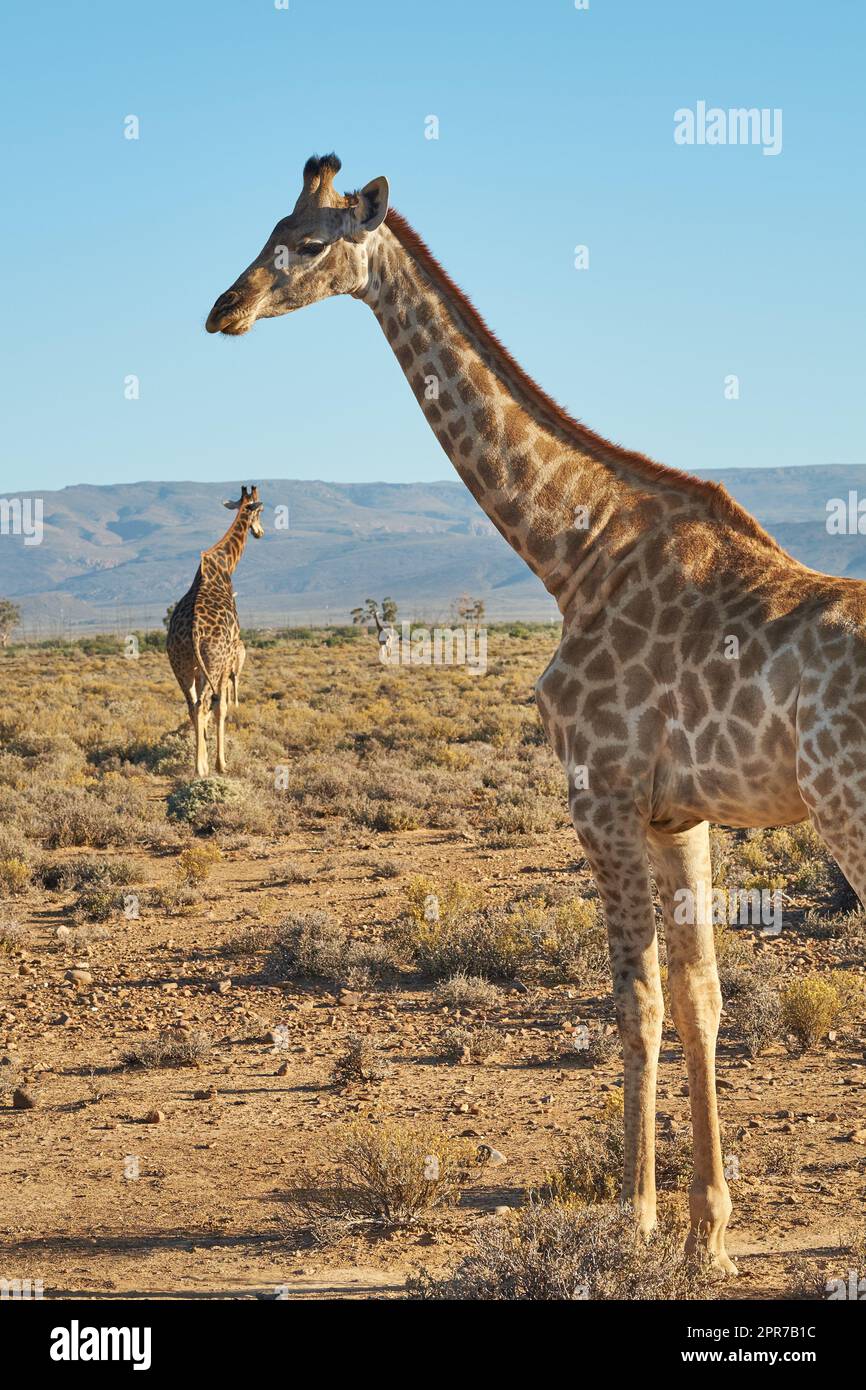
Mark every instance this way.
x=575 y=1050
x=814 y=1004
x=462 y=991
x=470 y=1044
x=429 y=902
x=12 y=936
x=566 y=1253
x=97 y=904
x=489 y=942
x=589 y=1167
x=779 y=1155
x=193 y=865
x=361 y=1060
x=576 y=943
x=314 y=946
x=170 y=1048
x=11 y=1074
x=200 y=803
x=384 y=1175
x=173 y=898
x=83 y=871
x=755 y=1013
x=109 y=815
x=15 y=876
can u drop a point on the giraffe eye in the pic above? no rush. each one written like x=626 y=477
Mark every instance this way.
x=311 y=248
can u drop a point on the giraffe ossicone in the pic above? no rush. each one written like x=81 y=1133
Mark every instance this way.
x=669 y=723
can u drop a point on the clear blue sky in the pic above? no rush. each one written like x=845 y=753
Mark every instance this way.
x=556 y=128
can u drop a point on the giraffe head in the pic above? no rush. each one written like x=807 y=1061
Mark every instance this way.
x=249 y=509
x=317 y=251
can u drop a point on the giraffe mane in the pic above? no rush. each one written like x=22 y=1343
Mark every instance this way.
x=721 y=504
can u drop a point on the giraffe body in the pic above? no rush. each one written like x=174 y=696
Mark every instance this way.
x=204 y=637
x=703 y=674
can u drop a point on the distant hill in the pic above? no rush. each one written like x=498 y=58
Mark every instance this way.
x=115 y=556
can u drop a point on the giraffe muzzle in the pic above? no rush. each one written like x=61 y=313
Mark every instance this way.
x=230 y=315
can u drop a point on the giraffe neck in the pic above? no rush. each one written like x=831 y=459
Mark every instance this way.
x=569 y=502
x=229 y=548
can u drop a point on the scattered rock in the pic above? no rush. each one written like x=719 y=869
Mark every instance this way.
x=79 y=976
x=492 y=1156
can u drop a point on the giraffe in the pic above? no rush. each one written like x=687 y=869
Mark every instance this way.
x=204 y=644
x=703 y=675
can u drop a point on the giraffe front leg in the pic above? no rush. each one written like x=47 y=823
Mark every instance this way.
x=683 y=876
x=621 y=871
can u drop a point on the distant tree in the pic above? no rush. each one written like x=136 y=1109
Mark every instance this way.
x=470 y=610
x=168 y=612
x=10 y=617
x=370 y=613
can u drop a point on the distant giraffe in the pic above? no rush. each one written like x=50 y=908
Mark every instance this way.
x=703 y=674
x=204 y=637
x=387 y=636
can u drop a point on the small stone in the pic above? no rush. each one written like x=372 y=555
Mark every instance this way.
x=22 y=1099
x=79 y=976
x=492 y=1156
x=154 y=1117
x=207 y=1094
x=348 y=998
x=282 y=1070
x=223 y=986
x=501 y=1211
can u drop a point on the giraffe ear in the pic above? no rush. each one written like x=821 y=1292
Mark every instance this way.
x=372 y=205
x=233 y=506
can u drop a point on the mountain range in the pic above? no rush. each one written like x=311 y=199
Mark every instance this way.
x=114 y=556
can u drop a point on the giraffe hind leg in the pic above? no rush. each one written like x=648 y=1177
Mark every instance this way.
x=683 y=876
x=621 y=870
x=222 y=701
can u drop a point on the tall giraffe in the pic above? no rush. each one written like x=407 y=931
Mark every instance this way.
x=703 y=674
x=204 y=636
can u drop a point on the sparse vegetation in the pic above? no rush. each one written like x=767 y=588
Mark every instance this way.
x=814 y=1004
x=462 y=956
x=558 y=1252
x=362 y=1060
x=462 y=991
x=386 y=1175
x=170 y=1048
x=470 y=1044
x=756 y=1015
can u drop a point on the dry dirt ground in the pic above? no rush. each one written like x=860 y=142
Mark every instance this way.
x=350 y=782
